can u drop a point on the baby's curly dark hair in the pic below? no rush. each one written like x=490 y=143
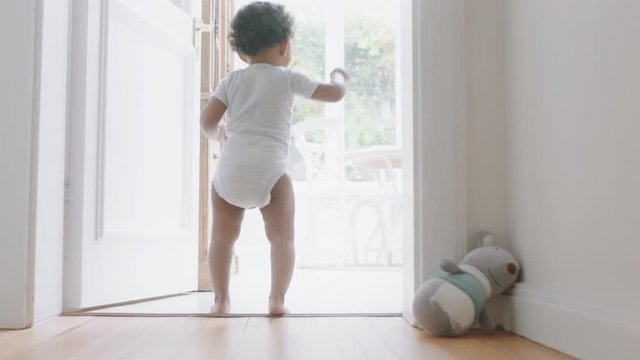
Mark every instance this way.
x=258 y=26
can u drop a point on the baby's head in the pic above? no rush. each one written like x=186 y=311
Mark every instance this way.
x=259 y=26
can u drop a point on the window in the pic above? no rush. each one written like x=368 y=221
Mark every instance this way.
x=331 y=186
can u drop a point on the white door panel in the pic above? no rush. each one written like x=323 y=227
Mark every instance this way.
x=133 y=192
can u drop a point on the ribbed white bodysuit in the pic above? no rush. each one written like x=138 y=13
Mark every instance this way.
x=259 y=102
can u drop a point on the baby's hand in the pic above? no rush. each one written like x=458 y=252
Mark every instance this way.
x=337 y=73
x=222 y=133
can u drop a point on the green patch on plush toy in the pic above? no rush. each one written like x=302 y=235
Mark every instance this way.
x=453 y=302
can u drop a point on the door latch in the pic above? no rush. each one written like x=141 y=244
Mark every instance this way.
x=200 y=27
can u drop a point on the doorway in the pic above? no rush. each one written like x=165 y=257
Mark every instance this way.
x=345 y=161
x=348 y=210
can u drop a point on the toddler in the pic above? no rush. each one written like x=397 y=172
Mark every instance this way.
x=251 y=173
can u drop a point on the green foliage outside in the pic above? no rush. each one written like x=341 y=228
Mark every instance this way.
x=370 y=37
x=370 y=60
x=308 y=52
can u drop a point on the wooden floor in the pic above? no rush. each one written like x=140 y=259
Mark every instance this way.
x=257 y=338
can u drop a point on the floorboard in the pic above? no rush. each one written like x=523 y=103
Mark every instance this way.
x=251 y=338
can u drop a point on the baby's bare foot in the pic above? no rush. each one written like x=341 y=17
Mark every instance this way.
x=277 y=308
x=220 y=308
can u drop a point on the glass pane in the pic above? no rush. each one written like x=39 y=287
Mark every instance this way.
x=346 y=171
x=370 y=58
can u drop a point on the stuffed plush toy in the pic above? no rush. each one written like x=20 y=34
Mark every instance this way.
x=453 y=302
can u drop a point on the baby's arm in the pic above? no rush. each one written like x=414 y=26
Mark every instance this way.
x=210 y=118
x=333 y=91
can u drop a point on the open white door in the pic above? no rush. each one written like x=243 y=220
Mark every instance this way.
x=132 y=176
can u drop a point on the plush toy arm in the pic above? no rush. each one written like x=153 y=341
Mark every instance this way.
x=485 y=321
x=449 y=266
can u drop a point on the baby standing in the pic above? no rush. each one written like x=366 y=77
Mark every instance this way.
x=258 y=101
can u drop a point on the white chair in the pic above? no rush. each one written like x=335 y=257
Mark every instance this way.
x=383 y=163
x=318 y=143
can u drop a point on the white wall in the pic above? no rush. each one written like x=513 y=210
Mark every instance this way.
x=572 y=95
x=33 y=70
x=458 y=130
x=486 y=132
x=17 y=180
x=552 y=148
x=439 y=134
x=486 y=140
x=51 y=155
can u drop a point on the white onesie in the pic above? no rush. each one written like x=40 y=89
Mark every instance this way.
x=259 y=102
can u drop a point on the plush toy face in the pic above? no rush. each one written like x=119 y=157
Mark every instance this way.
x=497 y=264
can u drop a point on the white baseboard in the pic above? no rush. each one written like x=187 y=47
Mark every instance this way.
x=579 y=327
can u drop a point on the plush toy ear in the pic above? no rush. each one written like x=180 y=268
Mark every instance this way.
x=484 y=239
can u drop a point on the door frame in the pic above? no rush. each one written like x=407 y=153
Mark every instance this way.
x=24 y=23
x=434 y=188
x=216 y=55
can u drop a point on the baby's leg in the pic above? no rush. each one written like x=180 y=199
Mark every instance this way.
x=227 y=219
x=278 y=221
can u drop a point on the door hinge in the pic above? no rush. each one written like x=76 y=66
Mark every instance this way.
x=67 y=192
